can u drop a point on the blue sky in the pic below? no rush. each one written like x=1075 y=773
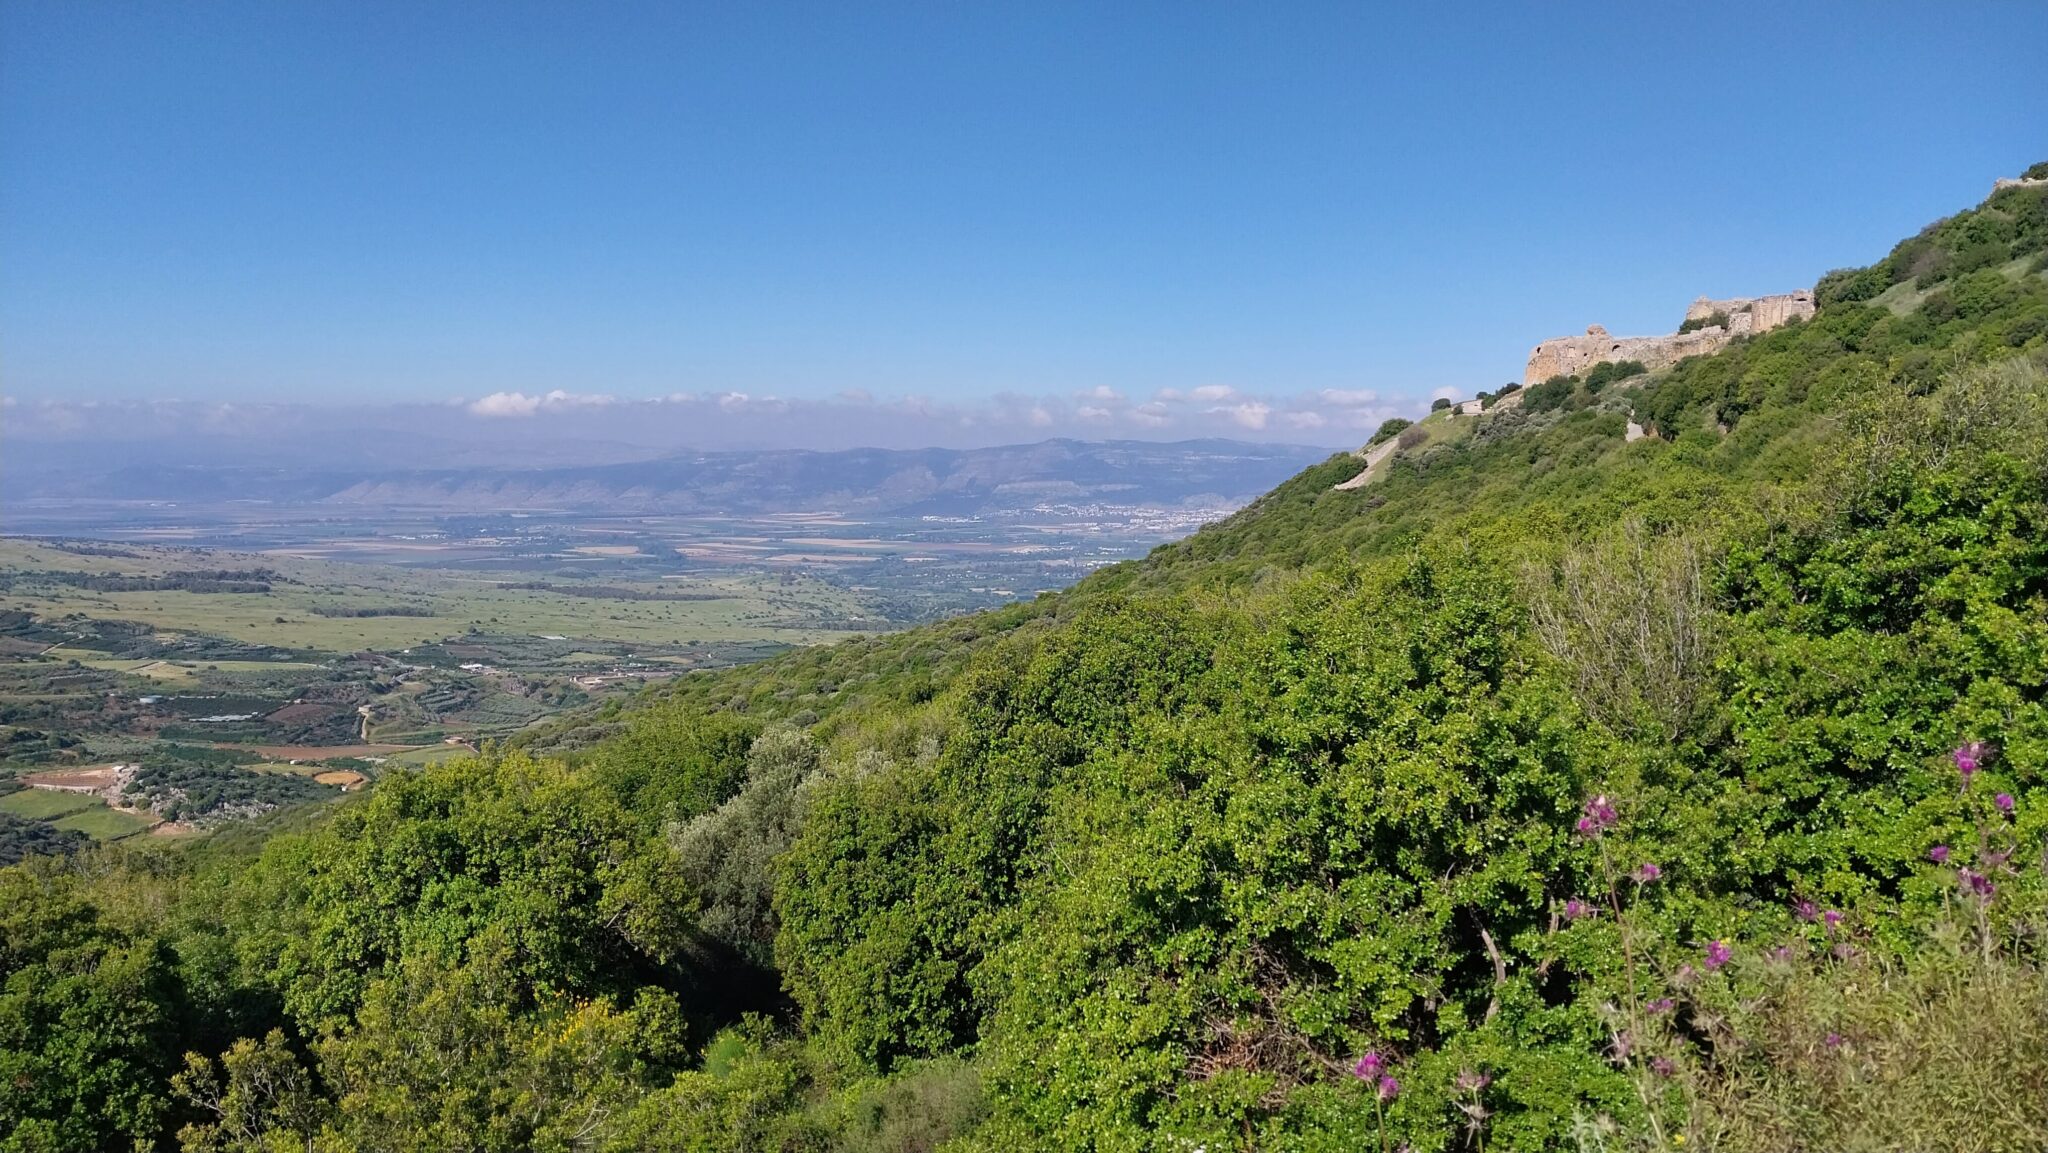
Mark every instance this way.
x=408 y=203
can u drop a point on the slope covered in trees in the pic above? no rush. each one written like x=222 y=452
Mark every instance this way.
x=1553 y=791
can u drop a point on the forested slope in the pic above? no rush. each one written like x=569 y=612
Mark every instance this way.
x=1551 y=791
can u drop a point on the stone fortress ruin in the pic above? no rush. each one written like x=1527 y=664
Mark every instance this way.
x=1709 y=327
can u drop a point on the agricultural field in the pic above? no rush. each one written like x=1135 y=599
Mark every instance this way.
x=235 y=683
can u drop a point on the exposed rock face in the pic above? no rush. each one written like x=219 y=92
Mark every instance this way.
x=1573 y=355
x=2005 y=182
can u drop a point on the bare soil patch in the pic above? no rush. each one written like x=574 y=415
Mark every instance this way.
x=90 y=780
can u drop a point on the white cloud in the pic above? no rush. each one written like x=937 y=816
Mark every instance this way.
x=1251 y=414
x=1304 y=419
x=1447 y=393
x=1154 y=415
x=506 y=404
x=1039 y=417
x=1210 y=393
x=1171 y=395
x=1092 y=412
x=520 y=404
x=1350 y=397
x=1104 y=394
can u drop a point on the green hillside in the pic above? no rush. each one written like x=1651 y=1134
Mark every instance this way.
x=1550 y=791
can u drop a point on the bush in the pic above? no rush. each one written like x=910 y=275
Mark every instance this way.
x=1413 y=437
x=1718 y=319
x=1439 y=404
x=1390 y=427
x=1607 y=372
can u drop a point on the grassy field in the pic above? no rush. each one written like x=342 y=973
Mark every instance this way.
x=784 y=610
x=102 y=823
x=45 y=804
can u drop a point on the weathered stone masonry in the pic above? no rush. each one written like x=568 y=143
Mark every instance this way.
x=1573 y=355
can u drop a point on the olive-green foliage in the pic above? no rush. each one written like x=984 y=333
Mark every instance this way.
x=87 y=1021
x=1389 y=428
x=2011 y=224
x=1945 y=1046
x=727 y=854
x=517 y=852
x=671 y=764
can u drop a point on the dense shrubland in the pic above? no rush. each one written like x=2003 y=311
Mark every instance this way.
x=1552 y=792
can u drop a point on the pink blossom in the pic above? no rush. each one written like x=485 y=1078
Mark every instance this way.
x=1575 y=909
x=1718 y=954
x=1599 y=816
x=1660 y=1005
x=1833 y=918
x=1369 y=1066
x=1807 y=910
x=1782 y=953
x=1832 y=1040
x=1471 y=1082
x=1664 y=1066
x=1389 y=1088
x=1647 y=872
x=2004 y=802
x=1976 y=884
x=1938 y=854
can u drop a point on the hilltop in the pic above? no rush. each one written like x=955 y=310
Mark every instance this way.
x=1559 y=786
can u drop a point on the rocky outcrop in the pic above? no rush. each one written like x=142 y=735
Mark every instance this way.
x=1745 y=316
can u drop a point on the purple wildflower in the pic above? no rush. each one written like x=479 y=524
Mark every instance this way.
x=2004 y=802
x=1575 y=909
x=1782 y=953
x=1995 y=860
x=1389 y=1088
x=1843 y=950
x=1623 y=1045
x=1976 y=884
x=1664 y=1066
x=1806 y=909
x=1938 y=854
x=1647 y=873
x=1369 y=1066
x=1471 y=1082
x=1599 y=815
x=1833 y=918
x=1832 y=1040
x=1718 y=954
x=1660 y=1005
x=1969 y=758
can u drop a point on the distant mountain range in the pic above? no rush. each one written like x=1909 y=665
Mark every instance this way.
x=928 y=481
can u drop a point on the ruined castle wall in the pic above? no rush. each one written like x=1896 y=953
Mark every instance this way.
x=1574 y=355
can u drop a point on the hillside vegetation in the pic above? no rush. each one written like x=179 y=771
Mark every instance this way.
x=1553 y=791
